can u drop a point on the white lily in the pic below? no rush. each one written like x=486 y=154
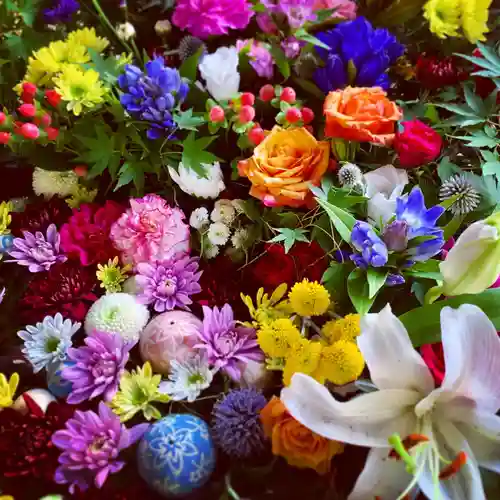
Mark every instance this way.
x=383 y=186
x=456 y=418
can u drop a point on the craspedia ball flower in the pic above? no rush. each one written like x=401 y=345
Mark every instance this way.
x=468 y=197
x=309 y=298
x=346 y=328
x=236 y=426
x=117 y=313
x=339 y=363
x=277 y=337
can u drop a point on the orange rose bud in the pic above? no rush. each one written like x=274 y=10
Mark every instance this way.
x=283 y=166
x=362 y=114
x=298 y=445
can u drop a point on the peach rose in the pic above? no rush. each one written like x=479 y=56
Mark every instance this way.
x=361 y=114
x=299 y=446
x=284 y=164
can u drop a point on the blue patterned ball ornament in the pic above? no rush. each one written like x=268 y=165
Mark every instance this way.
x=57 y=385
x=176 y=455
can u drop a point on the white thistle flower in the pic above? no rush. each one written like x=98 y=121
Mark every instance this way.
x=218 y=233
x=468 y=198
x=350 y=176
x=199 y=218
x=125 y=31
x=240 y=237
x=223 y=212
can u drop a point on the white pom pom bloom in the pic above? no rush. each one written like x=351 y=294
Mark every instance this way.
x=202 y=187
x=199 y=218
x=220 y=72
x=224 y=212
x=118 y=313
x=218 y=233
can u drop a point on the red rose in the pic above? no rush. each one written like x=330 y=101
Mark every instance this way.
x=417 y=145
x=434 y=359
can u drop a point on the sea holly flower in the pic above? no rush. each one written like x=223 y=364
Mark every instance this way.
x=443 y=433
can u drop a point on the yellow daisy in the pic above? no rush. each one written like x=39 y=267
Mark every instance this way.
x=443 y=17
x=88 y=38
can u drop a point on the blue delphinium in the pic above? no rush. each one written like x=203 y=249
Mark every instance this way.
x=153 y=96
x=61 y=11
x=359 y=55
x=373 y=251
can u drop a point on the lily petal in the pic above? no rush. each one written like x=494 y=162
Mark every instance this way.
x=390 y=356
x=472 y=356
x=367 y=420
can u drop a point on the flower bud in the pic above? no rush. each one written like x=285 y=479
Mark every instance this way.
x=163 y=27
x=125 y=31
x=29 y=131
x=395 y=236
x=4 y=137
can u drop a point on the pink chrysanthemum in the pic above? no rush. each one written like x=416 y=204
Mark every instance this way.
x=203 y=18
x=150 y=231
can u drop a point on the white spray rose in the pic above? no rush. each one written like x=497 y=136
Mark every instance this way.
x=220 y=72
x=202 y=187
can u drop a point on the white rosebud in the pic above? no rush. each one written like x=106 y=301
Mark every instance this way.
x=218 y=233
x=220 y=72
x=202 y=187
x=125 y=31
x=199 y=218
x=223 y=212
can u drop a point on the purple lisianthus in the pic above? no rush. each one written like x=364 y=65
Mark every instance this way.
x=373 y=251
x=37 y=251
x=291 y=47
x=211 y=17
x=90 y=446
x=259 y=57
x=98 y=366
x=168 y=284
x=297 y=12
x=61 y=11
x=228 y=346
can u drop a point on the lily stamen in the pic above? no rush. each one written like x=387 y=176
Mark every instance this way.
x=455 y=466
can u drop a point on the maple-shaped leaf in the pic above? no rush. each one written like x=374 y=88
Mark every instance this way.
x=289 y=237
x=194 y=153
x=186 y=121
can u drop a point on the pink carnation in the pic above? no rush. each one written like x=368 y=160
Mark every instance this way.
x=344 y=8
x=203 y=18
x=86 y=234
x=150 y=231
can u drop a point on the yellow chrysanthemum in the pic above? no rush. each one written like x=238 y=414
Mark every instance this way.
x=346 y=328
x=5 y=217
x=474 y=18
x=81 y=89
x=303 y=357
x=340 y=363
x=443 y=17
x=276 y=338
x=111 y=275
x=81 y=194
x=309 y=298
x=267 y=308
x=87 y=38
x=8 y=389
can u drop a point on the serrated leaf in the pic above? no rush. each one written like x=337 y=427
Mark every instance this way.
x=186 y=121
x=125 y=175
x=462 y=110
x=194 y=154
x=492 y=168
x=446 y=169
x=109 y=68
x=289 y=237
x=281 y=61
x=474 y=101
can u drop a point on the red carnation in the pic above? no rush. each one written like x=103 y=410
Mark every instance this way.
x=435 y=73
x=86 y=235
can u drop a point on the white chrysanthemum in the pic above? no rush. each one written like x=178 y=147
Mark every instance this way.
x=468 y=198
x=210 y=251
x=350 y=176
x=218 y=233
x=119 y=313
x=202 y=187
x=199 y=218
x=223 y=212
x=239 y=205
x=125 y=31
x=47 y=342
x=240 y=238
x=187 y=379
x=51 y=183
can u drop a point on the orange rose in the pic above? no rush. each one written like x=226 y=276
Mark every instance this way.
x=284 y=164
x=299 y=446
x=361 y=114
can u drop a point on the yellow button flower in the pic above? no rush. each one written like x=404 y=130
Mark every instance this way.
x=277 y=337
x=346 y=328
x=309 y=298
x=303 y=357
x=8 y=389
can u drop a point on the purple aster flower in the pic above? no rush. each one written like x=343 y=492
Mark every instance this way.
x=260 y=58
x=291 y=47
x=373 y=251
x=297 y=12
x=153 y=96
x=236 y=426
x=211 y=17
x=228 y=346
x=168 y=283
x=61 y=11
x=37 y=251
x=98 y=366
x=90 y=446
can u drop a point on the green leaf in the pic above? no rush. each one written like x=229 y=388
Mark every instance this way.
x=303 y=35
x=335 y=278
x=358 y=290
x=423 y=323
x=473 y=100
x=342 y=221
x=194 y=154
x=289 y=237
x=108 y=68
x=446 y=169
x=376 y=280
x=281 y=61
x=125 y=175
x=452 y=227
x=186 y=121
x=309 y=87
x=189 y=67
x=459 y=110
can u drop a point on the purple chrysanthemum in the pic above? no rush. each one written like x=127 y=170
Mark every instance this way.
x=211 y=17
x=37 y=251
x=61 y=11
x=229 y=347
x=99 y=366
x=236 y=426
x=91 y=443
x=169 y=283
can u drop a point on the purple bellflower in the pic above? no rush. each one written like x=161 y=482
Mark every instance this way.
x=372 y=250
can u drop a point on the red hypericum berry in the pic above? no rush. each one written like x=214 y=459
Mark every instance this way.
x=52 y=133
x=27 y=110
x=53 y=98
x=4 y=137
x=217 y=114
x=266 y=92
x=293 y=115
x=3 y=117
x=256 y=135
x=29 y=88
x=27 y=98
x=247 y=114
x=29 y=131
x=288 y=95
x=81 y=170
x=46 y=120
x=307 y=115
x=247 y=99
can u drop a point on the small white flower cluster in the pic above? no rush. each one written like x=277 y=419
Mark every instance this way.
x=220 y=227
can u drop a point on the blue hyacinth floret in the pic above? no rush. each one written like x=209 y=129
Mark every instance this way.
x=359 y=55
x=153 y=96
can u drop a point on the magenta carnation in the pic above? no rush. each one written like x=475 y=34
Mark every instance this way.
x=229 y=346
x=86 y=234
x=203 y=18
x=150 y=231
